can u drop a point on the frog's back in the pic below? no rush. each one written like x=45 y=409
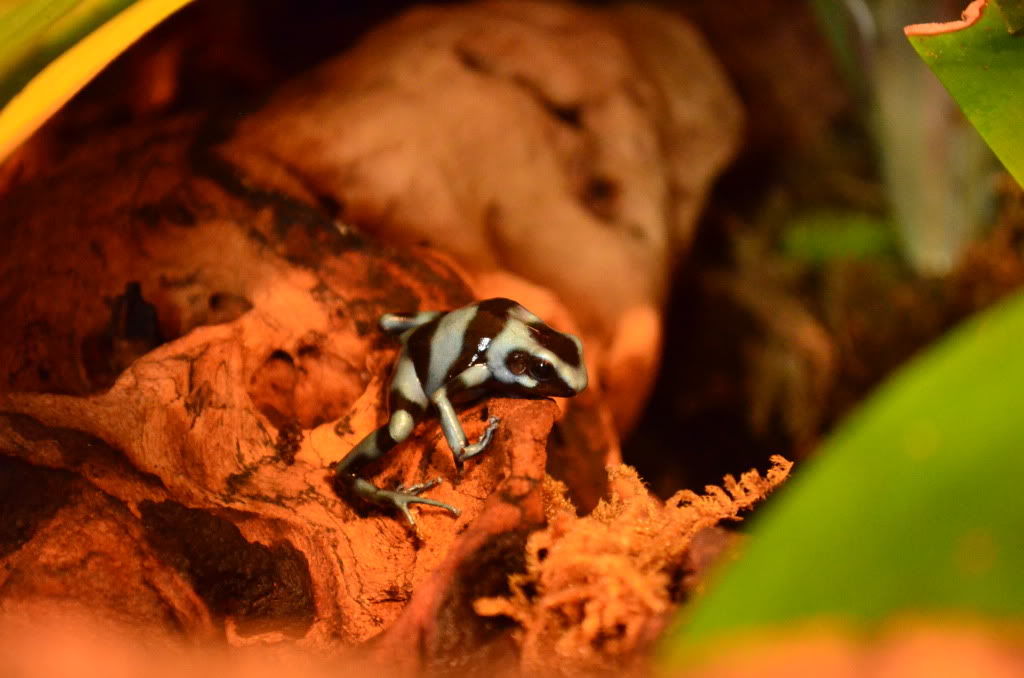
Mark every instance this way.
x=457 y=340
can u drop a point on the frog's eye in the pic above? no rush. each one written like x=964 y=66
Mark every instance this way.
x=518 y=362
x=541 y=370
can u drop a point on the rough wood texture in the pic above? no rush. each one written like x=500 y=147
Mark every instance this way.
x=189 y=327
x=569 y=147
x=234 y=325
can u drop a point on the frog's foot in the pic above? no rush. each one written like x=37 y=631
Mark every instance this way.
x=470 y=451
x=402 y=497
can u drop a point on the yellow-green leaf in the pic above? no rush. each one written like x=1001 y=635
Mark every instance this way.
x=49 y=49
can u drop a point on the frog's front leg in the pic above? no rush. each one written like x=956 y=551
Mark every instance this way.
x=469 y=378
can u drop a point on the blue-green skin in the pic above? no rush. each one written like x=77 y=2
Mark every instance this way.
x=490 y=348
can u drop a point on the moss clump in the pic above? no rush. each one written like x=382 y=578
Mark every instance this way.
x=597 y=589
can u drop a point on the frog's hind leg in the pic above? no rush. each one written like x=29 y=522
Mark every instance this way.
x=408 y=404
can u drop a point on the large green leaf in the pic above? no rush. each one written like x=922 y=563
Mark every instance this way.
x=49 y=49
x=916 y=505
x=1013 y=13
x=981 y=63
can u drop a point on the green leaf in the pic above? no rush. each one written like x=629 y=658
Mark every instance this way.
x=914 y=506
x=1013 y=13
x=835 y=22
x=938 y=170
x=49 y=49
x=826 y=235
x=982 y=66
x=35 y=32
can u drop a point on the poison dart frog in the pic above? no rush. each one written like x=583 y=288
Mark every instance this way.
x=489 y=348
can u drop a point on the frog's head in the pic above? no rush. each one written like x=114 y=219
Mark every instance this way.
x=528 y=358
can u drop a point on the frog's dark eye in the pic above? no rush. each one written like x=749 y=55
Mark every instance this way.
x=517 y=362
x=541 y=370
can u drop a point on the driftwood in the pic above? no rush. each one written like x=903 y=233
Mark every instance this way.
x=541 y=141
x=208 y=452
x=189 y=329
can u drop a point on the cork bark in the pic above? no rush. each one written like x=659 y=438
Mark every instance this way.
x=190 y=329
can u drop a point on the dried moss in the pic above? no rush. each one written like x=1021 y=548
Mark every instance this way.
x=597 y=589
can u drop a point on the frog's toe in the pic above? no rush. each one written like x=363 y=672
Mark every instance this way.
x=479 y=446
x=402 y=498
x=420 y=487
